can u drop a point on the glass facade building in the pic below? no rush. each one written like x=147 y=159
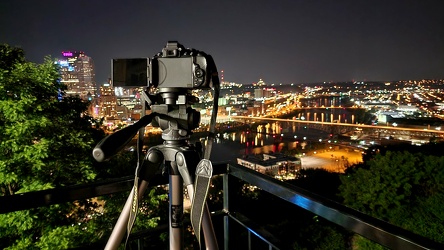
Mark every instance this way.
x=77 y=73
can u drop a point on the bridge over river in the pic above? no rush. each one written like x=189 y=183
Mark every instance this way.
x=338 y=128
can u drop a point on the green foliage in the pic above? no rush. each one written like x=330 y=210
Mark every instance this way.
x=44 y=143
x=319 y=234
x=153 y=208
x=360 y=242
x=403 y=188
x=310 y=179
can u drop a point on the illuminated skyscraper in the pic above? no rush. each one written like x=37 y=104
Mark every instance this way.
x=108 y=102
x=77 y=72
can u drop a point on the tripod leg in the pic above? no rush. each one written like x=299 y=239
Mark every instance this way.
x=120 y=228
x=153 y=160
x=208 y=230
x=175 y=209
x=207 y=224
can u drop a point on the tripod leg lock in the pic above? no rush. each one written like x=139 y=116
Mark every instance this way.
x=183 y=168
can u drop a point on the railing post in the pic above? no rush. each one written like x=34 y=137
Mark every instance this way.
x=226 y=210
x=249 y=239
x=139 y=244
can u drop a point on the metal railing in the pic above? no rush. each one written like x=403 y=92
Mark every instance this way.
x=369 y=227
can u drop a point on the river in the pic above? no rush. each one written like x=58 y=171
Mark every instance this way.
x=270 y=137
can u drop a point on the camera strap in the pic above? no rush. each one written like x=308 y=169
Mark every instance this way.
x=135 y=192
x=204 y=169
x=204 y=172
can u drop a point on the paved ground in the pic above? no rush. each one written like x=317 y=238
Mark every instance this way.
x=333 y=160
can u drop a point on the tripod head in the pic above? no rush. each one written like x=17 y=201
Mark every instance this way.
x=176 y=120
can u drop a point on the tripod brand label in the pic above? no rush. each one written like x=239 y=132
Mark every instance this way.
x=135 y=199
x=176 y=216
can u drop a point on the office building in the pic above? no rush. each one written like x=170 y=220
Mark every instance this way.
x=108 y=103
x=272 y=164
x=77 y=73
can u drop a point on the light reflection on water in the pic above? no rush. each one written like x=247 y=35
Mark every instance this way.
x=270 y=137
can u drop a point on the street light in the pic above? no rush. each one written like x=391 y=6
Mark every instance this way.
x=229 y=111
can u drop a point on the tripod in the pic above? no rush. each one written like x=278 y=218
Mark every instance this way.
x=178 y=157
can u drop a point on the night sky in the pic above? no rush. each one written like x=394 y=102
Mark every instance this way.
x=288 y=41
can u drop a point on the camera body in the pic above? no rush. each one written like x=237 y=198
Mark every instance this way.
x=174 y=68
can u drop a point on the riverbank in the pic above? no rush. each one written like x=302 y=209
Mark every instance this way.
x=331 y=160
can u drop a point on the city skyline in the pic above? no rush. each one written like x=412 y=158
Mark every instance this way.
x=289 y=42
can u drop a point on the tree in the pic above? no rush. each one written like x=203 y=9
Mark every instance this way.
x=311 y=179
x=403 y=188
x=45 y=142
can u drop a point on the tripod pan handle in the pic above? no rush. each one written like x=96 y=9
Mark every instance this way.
x=115 y=142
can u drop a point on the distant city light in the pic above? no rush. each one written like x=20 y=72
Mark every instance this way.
x=63 y=63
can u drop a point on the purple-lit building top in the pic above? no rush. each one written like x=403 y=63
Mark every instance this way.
x=72 y=54
x=77 y=73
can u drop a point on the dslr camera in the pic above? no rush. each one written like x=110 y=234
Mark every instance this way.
x=172 y=69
